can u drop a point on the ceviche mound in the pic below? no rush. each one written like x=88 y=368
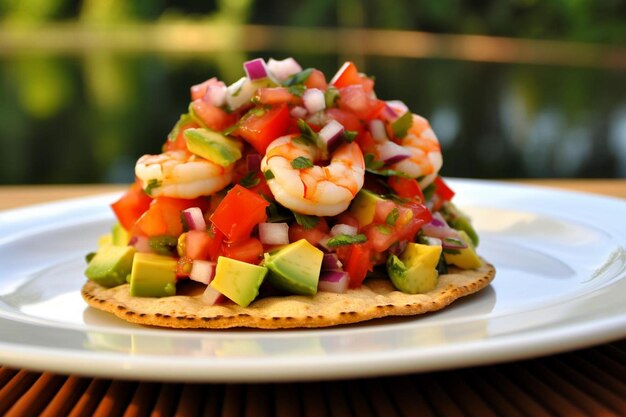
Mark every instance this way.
x=285 y=200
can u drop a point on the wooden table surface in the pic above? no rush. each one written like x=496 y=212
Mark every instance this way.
x=587 y=382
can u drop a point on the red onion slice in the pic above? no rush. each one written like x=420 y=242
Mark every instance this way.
x=378 y=131
x=390 y=152
x=255 y=69
x=211 y=296
x=274 y=233
x=314 y=100
x=343 y=229
x=438 y=228
x=194 y=218
x=453 y=243
x=333 y=281
x=389 y=114
x=202 y=271
x=283 y=69
x=331 y=134
x=253 y=162
x=331 y=262
x=141 y=244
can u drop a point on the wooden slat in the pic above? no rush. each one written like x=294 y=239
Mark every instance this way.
x=90 y=398
x=66 y=397
x=33 y=401
x=15 y=388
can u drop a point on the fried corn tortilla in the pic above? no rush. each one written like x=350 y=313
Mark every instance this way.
x=376 y=298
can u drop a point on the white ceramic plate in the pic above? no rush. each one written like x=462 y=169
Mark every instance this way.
x=560 y=285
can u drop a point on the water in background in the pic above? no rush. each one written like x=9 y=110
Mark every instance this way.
x=86 y=118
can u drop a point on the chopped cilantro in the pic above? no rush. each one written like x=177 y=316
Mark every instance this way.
x=163 y=245
x=341 y=240
x=392 y=217
x=277 y=213
x=297 y=90
x=306 y=133
x=371 y=163
x=152 y=184
x=269 y=175
x=306 y=221
x=331 y=95
x=402 y=125
x=229 y=130
x=89 y=256
x=301 y=162
x=349 y=135
x=299 y=77
x=250 y=180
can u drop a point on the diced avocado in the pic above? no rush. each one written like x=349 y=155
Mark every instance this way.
x=363 y=207
x=464 y=258
x=120 y=236
x=111 y=265
x=295 y=268
x=153 y=276
x=240 y=92
x=213 y=146
x=237 y=280
x=105 y=240
x=416 y=269
x=459 y=221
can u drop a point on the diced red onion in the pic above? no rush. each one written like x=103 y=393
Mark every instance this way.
x=331 y=262
x=333 y=281
x=343 y=229
x=439 y=228
x=216 y=94
x=255 y=69
x=398 y=106
x=314 y=100
x=298 y=112
x=253 y=162
x=331 y=133
x=323 y=243
x=141 y=244
x=388 y=113
x=211 y=296
x=194 y=218
x=274 y=233
x=390 y=152
x=453 y=243
x=283 y=69
x=202 y=271
x=378 y=131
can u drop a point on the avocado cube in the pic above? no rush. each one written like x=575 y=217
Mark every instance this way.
x=363 y=207
x=416 y=269
x=111 y=265
x=237 y=280
x=213 y=146
x=295 y=268
x=153 y=276
x=119 y=235
x=464 y=258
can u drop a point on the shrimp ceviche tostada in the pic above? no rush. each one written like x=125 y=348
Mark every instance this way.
x=287 y=200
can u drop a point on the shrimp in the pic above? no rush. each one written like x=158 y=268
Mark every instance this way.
x=181 y=174
x=317 y=190
x=426 y=159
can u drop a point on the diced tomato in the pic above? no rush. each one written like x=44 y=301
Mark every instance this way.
x=347 y=218
x=313 y=235
x=130 y=206
x=354 y=98
x=250 y=250
x=356 y=261
x=366 y=142
x=183 y=267
x=442 y=189
x=380 y=236
x=347 y=75
x=346 y=118
x=406 y=188
x=197 y=243
x=238 y=213
x=316 y=80
x=179 y=142
x=163 y=216
x=211 y=116
x=421 y=216
x=261 y=130
x=276 y=95
x=382 y=210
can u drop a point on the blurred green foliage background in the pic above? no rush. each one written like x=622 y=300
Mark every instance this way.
x=514 y=89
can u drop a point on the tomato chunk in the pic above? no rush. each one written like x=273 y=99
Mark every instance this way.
x=354 y=98
x=163 y=216
x=260 y=130
x=238 y=213
x=313 y=235
x=130 y=206
x=356 y=261
x=406 y=188
x=276 y=95
x=442 y=189
x=347 y=75
x=250 y=250
x=211 y=116
x=316 y=80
